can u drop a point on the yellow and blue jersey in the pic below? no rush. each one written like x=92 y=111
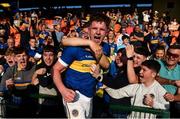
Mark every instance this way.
x=77 y=76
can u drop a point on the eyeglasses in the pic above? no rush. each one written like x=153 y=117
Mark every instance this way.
x=172 y=55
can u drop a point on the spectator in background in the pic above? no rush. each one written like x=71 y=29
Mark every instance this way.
x=137 y=37
x=135 y=57
x=146 y=16
x=10 y=42
x=111 y=42
x=159 y=53
x=115 y=78
x=16 y=80
x=154 y=41
x=34 y=51
x=57 y=35
x=147 y=93
x=10 y=58
x=126 y=41
x=43 y=80
x=170 y=70
x=24 y=35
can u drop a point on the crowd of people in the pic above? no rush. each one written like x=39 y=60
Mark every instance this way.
x=88 y=62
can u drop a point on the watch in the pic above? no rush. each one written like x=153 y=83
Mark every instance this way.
x=129 y=58
x=100 y=78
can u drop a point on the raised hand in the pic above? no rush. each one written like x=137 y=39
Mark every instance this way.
x=129 y=51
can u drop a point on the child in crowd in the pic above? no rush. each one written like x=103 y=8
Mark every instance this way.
x=147 y=93
x=125 y=40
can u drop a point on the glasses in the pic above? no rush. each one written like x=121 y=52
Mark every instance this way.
x=172 y=55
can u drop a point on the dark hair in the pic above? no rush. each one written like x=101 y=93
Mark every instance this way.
x=175 y=46
x=19 y=50
x=122 y=50
x=152 y=64
x=142 y=51
x=160 y=48
x=100 y=18
x=125 y=37
x=123 y=56
x=49 y=48
x=9 y=51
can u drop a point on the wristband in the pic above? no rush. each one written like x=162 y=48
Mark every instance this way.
x=129 y=58
x=100 y=78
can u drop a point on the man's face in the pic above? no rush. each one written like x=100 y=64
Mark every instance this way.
x=58 y=28
x=137 y=28
x=10 y=43
x=111 y=35
x=32 y=43
x=10 y=59
x=146 y=74
x=172 y=57
x=84 y=33
x=21 y=60
x=97 y=31
x=159 y=54
x=138 y=59
x=48 y=58
x=118 y=59
x=126 y=41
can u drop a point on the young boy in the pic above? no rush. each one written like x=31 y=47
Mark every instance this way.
x=148 y=93
x=125 y=41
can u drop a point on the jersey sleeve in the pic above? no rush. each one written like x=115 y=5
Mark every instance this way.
x=69 y=54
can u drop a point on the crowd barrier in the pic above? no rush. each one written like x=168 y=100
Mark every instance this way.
x=141 y=110
x=6 y=104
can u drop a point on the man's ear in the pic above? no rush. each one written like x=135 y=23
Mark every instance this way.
x=154 y=74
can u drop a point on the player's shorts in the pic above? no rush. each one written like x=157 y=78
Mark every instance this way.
x=80 y=108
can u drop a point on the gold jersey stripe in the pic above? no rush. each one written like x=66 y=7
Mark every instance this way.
x=82 y=66
x=22 y=84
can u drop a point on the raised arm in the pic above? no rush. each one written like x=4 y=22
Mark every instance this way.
x=132 y=77
x=96 y=49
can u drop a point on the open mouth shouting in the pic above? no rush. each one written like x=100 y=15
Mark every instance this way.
x=10 y=62
x=97 y=39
